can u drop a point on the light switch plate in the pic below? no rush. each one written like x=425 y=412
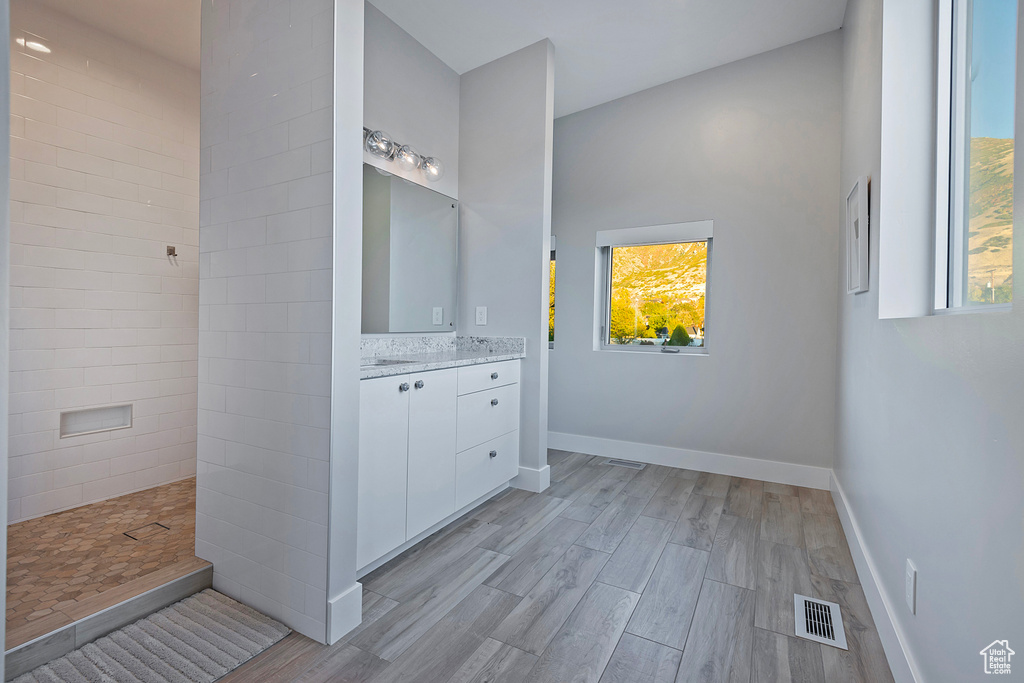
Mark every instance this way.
x=438 y=315
x=911 y=587
x=481 y=315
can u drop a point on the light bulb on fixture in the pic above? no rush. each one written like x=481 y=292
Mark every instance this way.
x=433 y=168
x=379 y=144
x=407 y=157
x=33 y=45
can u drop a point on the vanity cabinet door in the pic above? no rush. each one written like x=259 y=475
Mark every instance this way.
x=432 y=403
x=383 y=466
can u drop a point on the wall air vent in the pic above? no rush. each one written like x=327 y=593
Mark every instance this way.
x=819 y=621
x=625 y=463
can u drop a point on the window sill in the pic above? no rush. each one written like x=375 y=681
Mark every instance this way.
x=970 y=310
x=656 y=351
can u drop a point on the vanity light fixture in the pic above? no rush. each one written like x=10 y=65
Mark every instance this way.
x=381 y=145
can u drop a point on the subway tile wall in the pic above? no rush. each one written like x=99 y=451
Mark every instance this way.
x=104 y=175
x=265 y=304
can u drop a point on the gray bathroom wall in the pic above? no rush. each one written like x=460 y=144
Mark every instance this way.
x=929 y=435
x=753 y=146
x=412 y=95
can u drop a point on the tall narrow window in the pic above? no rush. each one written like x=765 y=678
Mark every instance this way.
x=975 y=238
x=655 y=287
x=551 y=298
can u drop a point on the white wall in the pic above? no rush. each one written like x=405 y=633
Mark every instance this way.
x=930 y=441
x=266 y=304
x=412 y=95
x=5 y=233
x=105 y=175
x=344 y=593
x=505 y=223
x=753 y=146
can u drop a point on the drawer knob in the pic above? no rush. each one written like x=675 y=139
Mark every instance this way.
x=493 y=454
x=419 y=384
x=494 y=375
x=404 y=386
x=494 y=401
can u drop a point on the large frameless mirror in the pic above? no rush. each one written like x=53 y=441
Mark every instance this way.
x=410 y=256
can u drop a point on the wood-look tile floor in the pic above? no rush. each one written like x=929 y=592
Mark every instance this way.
x=56 y=561
x=611 y=575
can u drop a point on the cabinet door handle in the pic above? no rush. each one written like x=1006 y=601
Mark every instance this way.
x=494 y=375
x=493 y=454
x=419 y=384
x=404 y=386
x=494 y=401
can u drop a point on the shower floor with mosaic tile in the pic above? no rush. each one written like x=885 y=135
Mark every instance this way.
x=62 y=565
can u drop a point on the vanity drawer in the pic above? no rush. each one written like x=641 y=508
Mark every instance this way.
x=486 y=415
x=487 y=376
x=485 y=468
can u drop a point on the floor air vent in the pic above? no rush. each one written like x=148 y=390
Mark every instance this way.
x=625 y=463
x=819 y=621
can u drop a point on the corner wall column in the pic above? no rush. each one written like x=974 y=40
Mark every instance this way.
x=506 y=121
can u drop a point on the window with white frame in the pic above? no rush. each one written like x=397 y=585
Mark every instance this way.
x=976 y=118
x=551 y=296
x=653 y=287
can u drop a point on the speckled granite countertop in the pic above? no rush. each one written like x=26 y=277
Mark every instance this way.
x=420 y=354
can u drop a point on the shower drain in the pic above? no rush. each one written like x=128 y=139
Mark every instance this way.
x=147 y=531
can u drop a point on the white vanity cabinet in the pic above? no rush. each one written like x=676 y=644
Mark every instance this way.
x=406 y=458
x=431 y=443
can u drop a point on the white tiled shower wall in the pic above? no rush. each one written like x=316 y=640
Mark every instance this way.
x=265 y=304
x=104 y=176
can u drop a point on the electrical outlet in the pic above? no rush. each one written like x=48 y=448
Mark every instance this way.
x=481 y=315
x=438 y=317
x=911 y=587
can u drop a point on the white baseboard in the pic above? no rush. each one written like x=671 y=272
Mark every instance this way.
x=901 y=661
x=344 y=613
x=716 y=463
x=532 y=480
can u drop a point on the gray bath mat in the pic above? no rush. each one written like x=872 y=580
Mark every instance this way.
x=197 y=640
